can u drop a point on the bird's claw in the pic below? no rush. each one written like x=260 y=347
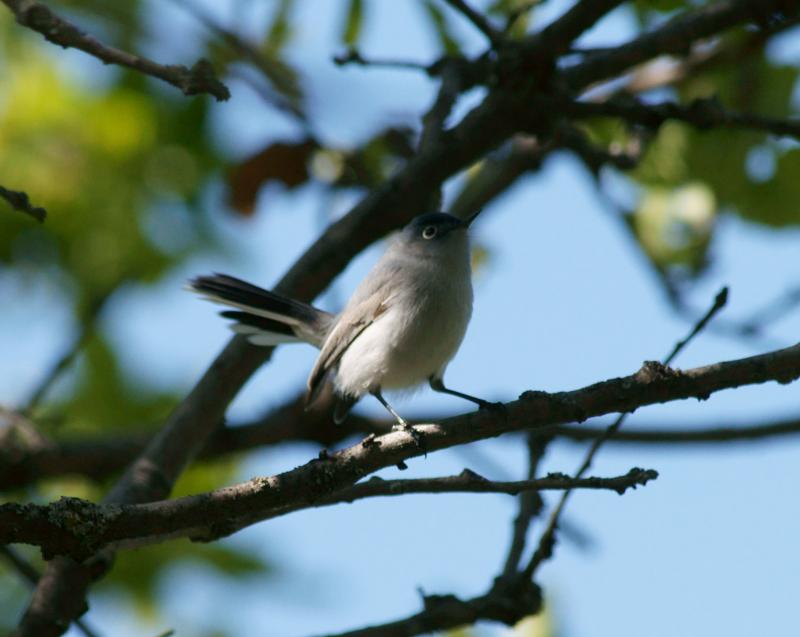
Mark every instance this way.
x=419 y=437
x=486 y=405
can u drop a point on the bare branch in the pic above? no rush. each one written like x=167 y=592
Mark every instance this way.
x=713 y=435
x=19 y=201
x=353 y=56
x=470 y=482
x=69 y=526
x=268 y=68
x=24 y=461
x=443 y=612
x=676 y=37
x=478 y=20
x=38 y=17
x=701 y=113
x=88 y=322
x=505 y=111
x=530 y=505
x=557 y=37
x=31 y=576
x=593 y=156
x=547 y=540
x=94 y=526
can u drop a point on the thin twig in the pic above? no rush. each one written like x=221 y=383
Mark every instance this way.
x=518 y=12
x=31 y=575
x=530 y=505
x=676 y=37
x=547 y=540
x=478 y=20
x=470 y=482
x=191 y=81
x=593 y=156
x=386 y=207
x=19 y=201
x=88 y=323
x=705 y=113
x=353 y=56
x=267 y=68
x=776 y=309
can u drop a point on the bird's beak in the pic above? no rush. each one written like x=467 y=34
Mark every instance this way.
x=468 y=222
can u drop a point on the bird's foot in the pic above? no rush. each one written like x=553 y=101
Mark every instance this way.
x=419 y=437
x=486 y=405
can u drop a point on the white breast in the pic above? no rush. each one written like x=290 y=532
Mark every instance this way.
x=413 y=340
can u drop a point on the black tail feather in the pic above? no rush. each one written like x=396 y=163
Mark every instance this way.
x=260 y=322
x=242 y=293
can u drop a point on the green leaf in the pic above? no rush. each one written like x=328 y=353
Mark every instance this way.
x=103 y=398
x=279 y=30
x=354 y=20
x=139 y=572
x=674 y=226
x=441 y=26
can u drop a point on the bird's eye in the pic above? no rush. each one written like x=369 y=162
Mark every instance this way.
x=429 y=232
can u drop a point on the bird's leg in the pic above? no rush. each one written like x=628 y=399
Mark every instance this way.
x=437 y=385
x=401 y=425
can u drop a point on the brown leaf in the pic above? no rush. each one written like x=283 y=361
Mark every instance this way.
x=284 y=162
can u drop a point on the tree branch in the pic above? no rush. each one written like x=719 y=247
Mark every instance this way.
x=505 y=110
x=196 y=80
x=478 y=20
x=544 y=550
x=529 y=506
x=281 y=93
x=31 y=576
x=81 y=528
x=677 y=37
x=19 y=201
x=701 y=113
x=69 y=525
x=470 y=482
x=24 y=461
x=441 y=612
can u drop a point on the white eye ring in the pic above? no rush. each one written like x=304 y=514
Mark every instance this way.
x=429 y=232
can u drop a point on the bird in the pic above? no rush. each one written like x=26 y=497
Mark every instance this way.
x=400 y=328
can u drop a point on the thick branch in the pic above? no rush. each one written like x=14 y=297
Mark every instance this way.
x=68 y=525
x=676 y=37
x=22 y=462
x=505 y=604
x=36 y=16
x=504 y=111
x=557 y=38
x=91 y=527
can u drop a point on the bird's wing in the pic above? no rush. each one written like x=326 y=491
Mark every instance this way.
x=353 y=321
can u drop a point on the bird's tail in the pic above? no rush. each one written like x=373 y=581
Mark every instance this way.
x=264 y=317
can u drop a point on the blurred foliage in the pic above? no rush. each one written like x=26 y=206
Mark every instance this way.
x=124 y=167
x=139 y=573
x=442 y=28
x=295 y=163
x=354 y=22
x=741 y=172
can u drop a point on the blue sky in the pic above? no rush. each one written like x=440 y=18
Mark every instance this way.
x=708 y=549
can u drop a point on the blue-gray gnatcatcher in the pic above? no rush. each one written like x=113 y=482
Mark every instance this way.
x=401 y=327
